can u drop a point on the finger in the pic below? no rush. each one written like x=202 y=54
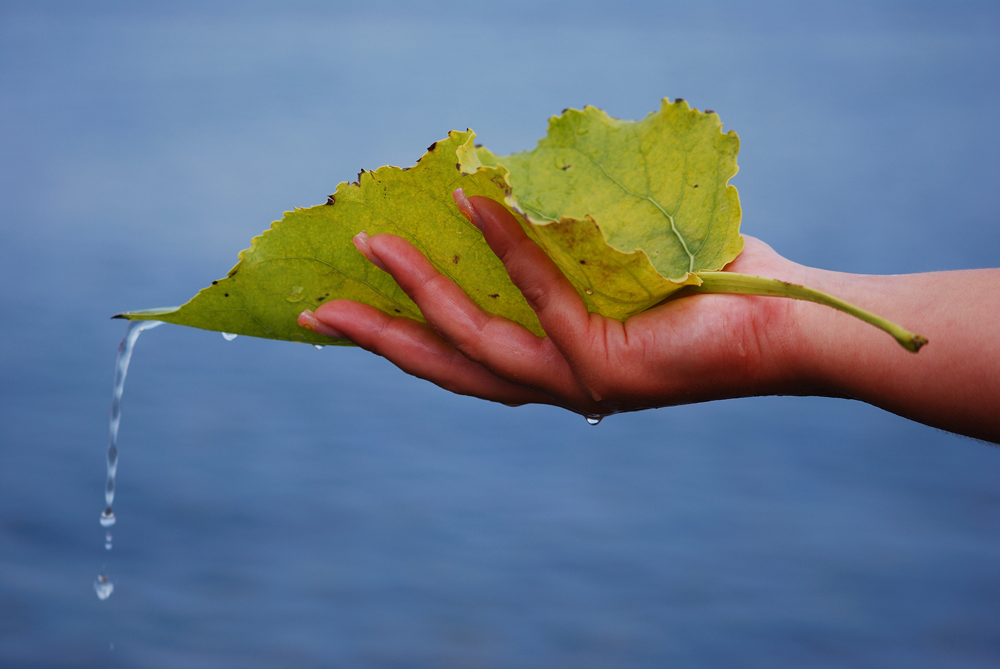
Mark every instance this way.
x=417 y=350
x=505 y=348
x=560 y=309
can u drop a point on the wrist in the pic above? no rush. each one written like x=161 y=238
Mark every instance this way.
x=810 y=346
x=835 y=354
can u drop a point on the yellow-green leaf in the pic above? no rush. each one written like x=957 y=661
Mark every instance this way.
x=307 y=258
x=660 y=185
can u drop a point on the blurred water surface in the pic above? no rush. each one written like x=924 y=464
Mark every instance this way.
x=282 y=506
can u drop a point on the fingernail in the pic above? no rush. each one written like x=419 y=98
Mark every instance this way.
x=361 y=242
x=467 y=210
x=308 y=320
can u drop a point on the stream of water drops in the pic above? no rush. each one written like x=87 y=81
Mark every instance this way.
x=103 y=585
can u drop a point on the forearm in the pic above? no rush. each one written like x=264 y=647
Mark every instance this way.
x=953 y=383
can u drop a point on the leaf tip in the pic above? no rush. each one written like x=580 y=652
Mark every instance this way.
x=146 y=314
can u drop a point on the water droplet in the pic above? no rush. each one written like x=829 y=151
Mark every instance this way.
x=588 y=291
x=103 y=587
x=594 y=419
x=317 y=346
x=108 y=518
x=107 y=541
x=228 y=337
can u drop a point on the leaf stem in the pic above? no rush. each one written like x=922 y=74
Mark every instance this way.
x=745 y=284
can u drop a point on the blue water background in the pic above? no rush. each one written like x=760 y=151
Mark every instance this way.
x=282 y=506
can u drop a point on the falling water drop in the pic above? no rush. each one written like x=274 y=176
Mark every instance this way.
x=103 y=587
x=228 y=337
x=318 y=346
x=108 y=518
x=594 y=419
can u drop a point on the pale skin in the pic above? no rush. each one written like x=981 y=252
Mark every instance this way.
x=692 y=349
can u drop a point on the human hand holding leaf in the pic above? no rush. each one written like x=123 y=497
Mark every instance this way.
x=603 y=228
x=682 y=351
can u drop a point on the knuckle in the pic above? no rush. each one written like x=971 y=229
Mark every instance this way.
x=375 y=341
x=429 y=285
x=514 y=249
x=536 y=297
x=469 y=340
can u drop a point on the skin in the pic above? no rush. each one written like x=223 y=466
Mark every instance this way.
x=693 y=349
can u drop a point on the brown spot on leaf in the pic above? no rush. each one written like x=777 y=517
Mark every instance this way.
x=477 y=146
x=431 y=147
x=397 y=311
x=583 y=262
x=495 y=295
x=676 y=100
x=455 y=259
x=225 y=294
x=215 y=283
x=709 y=111
x=566 y=167
x=331 y=199
x=458 y=166
x=696 y=185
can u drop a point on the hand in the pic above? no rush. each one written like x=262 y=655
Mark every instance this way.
x=691 y=349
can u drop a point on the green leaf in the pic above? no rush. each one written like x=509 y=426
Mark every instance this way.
x=630 y=211
x=659 y=185
x=308 y=258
